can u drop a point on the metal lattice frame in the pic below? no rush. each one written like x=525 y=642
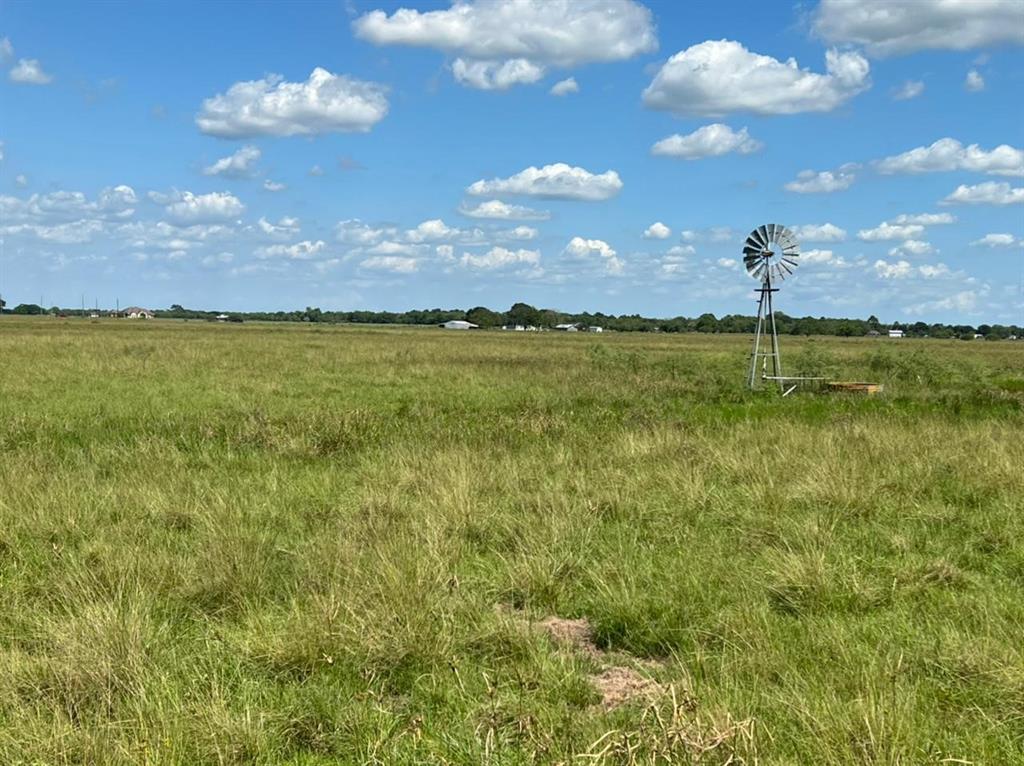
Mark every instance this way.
x=770 y=252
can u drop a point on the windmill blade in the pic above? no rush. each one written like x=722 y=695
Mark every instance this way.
x=792 y=250
x=762 y=232
x=782 y=265
x=754 y=239
x=794 y=264
x=751 y=251
x=773 y=231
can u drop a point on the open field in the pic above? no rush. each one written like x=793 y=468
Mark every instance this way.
x=314 y=545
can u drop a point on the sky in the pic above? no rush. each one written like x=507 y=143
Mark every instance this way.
x=583 y=155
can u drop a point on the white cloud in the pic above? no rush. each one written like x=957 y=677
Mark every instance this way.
x=925 y=219
x=889 y=27
x=908 y=90
x=430 y=231
x=500 y=43
x=898 y=270
x=496 y=75
x=194 y=208
x=325 y=103
x=498 y=210
x=657 y=230
x=912 y=247
x=498 y=257
x=964 y=301
x=316 y=170
x=579 y=247
x=557 y=181
x=286 y=227
x=988 y=193
x=709 y=141
x=728 y=263
x=677 y=251
x=6 y=50
x=21 y=180
x=273 y=186
x=217 y=259
x=29 y=72
x=950 y=154
x=115 y=203
x=817 y=256
x=394 y=263
x=995 y=240
x=300 y=251
x=974 y=81
x=519 y=233
x=928 y=271
x=825 y=232
x=445 y=252
x=355 y=232
x=237 y=165
x=390 y=247
x=717 y=77
x=565 y=87
x=888 y=231
x=71 y=233
x=823 y=182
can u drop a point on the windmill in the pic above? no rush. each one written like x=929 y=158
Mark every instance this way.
x=770 y=252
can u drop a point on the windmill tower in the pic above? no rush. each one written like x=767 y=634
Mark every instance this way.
x=769 y=254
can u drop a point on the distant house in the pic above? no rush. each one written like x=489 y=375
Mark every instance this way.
x=595 y=328
x=567 y=328
x=134 y=312
x=873 y=333
x=458 y=324
x=222 y=317
x=979 y=336
x=514 y=327
x=895 y=333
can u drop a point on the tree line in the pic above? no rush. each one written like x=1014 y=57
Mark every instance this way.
x=525 y=315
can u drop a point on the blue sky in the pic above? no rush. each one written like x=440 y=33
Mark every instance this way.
x=358 y=156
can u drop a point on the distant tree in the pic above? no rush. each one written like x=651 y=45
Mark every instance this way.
x=524 y=314
x=28 y=309
x=706 y=323
x=484 y=317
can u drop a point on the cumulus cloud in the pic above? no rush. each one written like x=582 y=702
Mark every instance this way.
x=908 y=90
x=717 y=77
x=273 y=186
x=390 y=247
x=498 y=210
x=912 y=247
x=818 y=257
x=316 y=170
x=949 y=154
x=657 y=230
x=325 y=103
x=496 y=75
x=29 y=72
x=709 y=141
x=394 y=263
x=925 y=219
x=300 y=251
x=825 y=232
x=565 y=87
x=286 y=227
x=898 y=270
x=355 y=232
x=579 y=247
x=888 y=231
x=995 y=240
x=112 y=203
x=6 y=50
x=557 y=181
x=988 y=193
x=890 y=27
x=195 y=208
x=500 y=43
x=498 y=257
x=823 y=182
x=974 y=81
x=237 y=165
x=21 y=180
x=728 y=263
x=519 y=233
x=964 y=301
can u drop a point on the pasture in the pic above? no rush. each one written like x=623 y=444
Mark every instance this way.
x=306 y=544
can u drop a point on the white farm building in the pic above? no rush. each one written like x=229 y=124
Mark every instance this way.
x=458 y=324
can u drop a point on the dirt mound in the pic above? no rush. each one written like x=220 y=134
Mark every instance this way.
x=617 y=684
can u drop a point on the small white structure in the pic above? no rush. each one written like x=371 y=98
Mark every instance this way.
x=895 y=333
x=567 y=328
x=979 y=336
x=458 y=324
x=514 y=327
x=595 y=328
x=134 y=312
x=222 y=317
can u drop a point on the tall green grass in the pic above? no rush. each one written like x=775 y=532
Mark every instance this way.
x=320 y=545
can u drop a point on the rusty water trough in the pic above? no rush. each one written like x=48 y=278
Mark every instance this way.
x=854 y=387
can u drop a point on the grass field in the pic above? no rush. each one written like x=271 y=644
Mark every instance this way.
x=326 y=545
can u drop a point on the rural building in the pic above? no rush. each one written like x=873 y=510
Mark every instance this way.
x=873 y=333
x=514 y=327
x=895 y=333
x=458 y=324
x=222 y=317
x=595 y=328
x=567 y=328
x=134 y=312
